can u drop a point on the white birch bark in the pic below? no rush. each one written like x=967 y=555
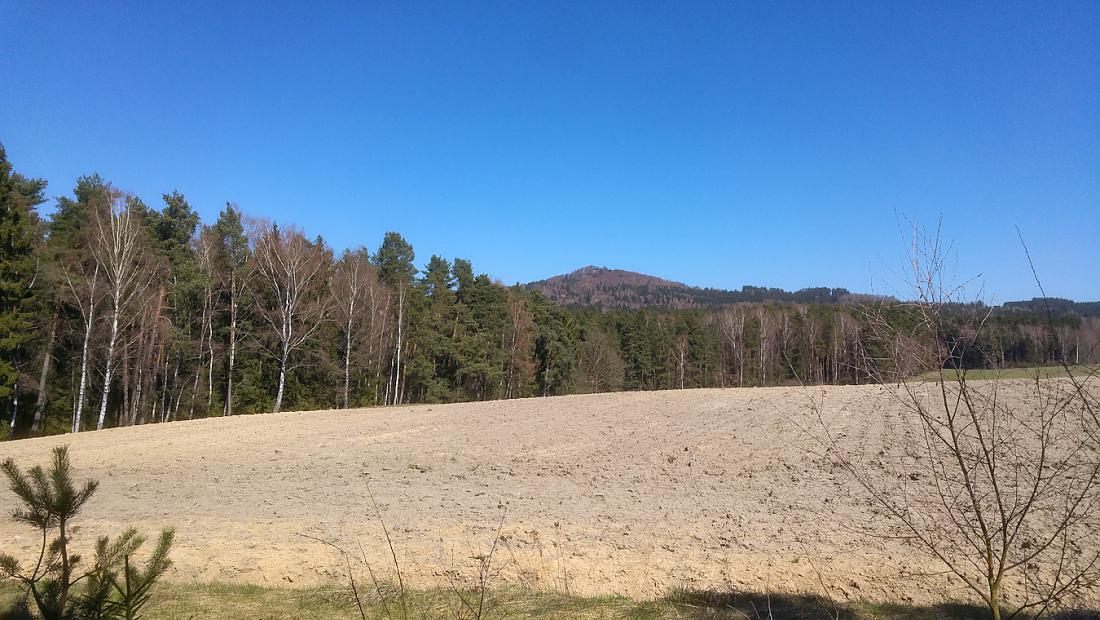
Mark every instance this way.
x=117 y=252
x=107 y=372
x=87 y=313
x=397 y=355
x=294 y=273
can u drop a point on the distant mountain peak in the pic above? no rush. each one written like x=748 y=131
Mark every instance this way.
x=602 y=287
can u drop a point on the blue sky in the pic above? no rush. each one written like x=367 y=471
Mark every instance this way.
x=719 y=144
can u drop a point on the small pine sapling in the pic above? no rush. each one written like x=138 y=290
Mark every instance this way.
x=114 y=587
x=50 y=501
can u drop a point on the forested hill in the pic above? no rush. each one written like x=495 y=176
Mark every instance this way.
x=617 y=289
x=1054 y=305
x=605 y=288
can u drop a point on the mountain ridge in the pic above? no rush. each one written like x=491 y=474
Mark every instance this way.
x=609 y=289
x=606 y=288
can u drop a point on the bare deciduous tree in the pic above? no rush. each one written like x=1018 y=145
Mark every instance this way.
x=812 y=332
x=602 y=366
x=767 y=336
x=732 y=326
x=294 y=300
x=1002 y=484
x=120 y=256
x=520 y=368
x=83 y=283
x=354 y=287
x=379 y=303
x=205 y=247
x=394 y=396
x=679 y=354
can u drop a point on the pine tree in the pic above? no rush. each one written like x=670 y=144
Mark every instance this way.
x=555 y=356
x=435 y=362
x=231 y=262
x=394 y=260
x=20 y=236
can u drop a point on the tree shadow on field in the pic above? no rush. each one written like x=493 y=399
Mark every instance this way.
x=757 y=605
x=782 y=606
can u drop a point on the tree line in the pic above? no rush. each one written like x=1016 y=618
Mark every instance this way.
x=114 y=313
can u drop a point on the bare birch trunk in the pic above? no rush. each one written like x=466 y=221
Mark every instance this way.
x=347 y=363
x=511 y=364
x=282 y=381
x=397 y=365
x=139 y=392
x=127 y=406
x=83 y=377
x=210 y=361
x=233 y=301
x=89 y=321
x=14 y=407
x=202 y=341
x=107 y=372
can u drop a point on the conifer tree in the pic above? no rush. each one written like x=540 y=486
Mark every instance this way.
x=394 y=260
x=20 y=236
x=232 y=263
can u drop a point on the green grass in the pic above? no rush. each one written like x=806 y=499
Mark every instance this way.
x=1045 y=372
x=238 y=602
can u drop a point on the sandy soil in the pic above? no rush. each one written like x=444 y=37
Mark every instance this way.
x=627 y=493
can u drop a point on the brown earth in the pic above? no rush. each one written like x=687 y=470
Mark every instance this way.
x=627 y=493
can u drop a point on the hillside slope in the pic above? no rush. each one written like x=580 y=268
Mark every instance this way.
x=615 y=288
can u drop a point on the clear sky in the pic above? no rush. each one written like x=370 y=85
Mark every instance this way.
x=719 y=144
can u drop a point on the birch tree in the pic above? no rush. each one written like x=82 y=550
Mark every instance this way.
x=206 y=251
x=294 y=299
x=120 y=256
x=399 y=340
x=354 y=285
x=380 y=303
x=85 y=289
x=679 y=354
x=601 y=365
x=811 y=329
x=732 y=327
x=767 y=333
x=520 y=366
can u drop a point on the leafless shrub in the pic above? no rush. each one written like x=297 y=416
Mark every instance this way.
x=1001 y=480
x=472 y=595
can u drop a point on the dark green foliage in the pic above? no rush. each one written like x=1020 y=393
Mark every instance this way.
x=555 y=355
x=72 y=216
x=20 y=236
x=117 y=588
x=233 y=243
x=1060 y=307
x=394 y=259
